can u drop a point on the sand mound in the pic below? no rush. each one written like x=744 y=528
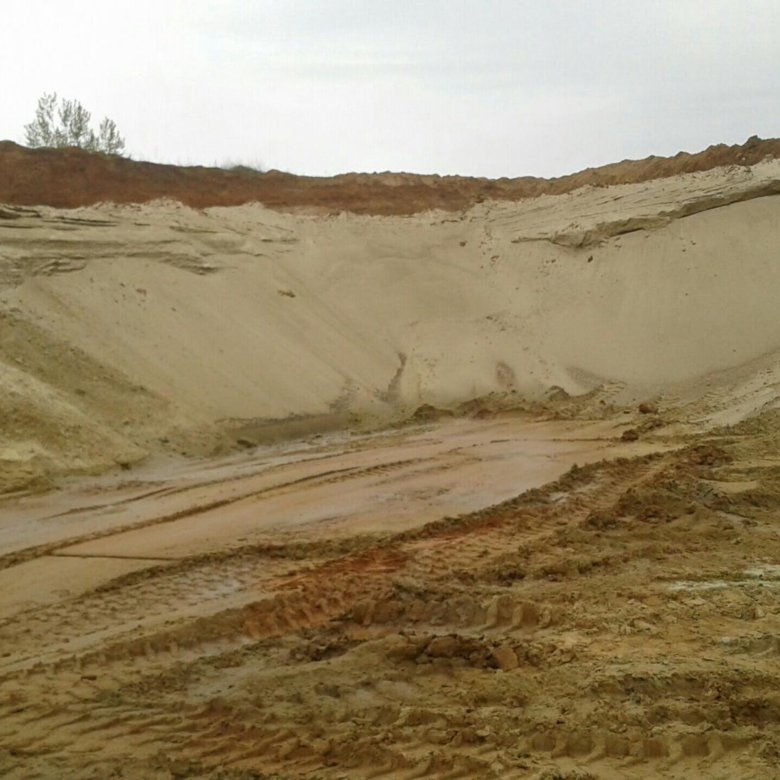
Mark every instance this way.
x=132 y=328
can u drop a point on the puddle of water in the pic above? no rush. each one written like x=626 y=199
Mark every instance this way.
x=769 y=571
x=697 y=587
x=765 y=576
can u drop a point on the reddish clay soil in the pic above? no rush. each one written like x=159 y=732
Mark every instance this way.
x=70 y=178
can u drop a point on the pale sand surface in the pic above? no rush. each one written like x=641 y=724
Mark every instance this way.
x=241 y=316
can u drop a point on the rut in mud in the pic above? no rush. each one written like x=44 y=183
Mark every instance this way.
x=618 y=621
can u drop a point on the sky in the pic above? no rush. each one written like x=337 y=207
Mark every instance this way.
x=472 y=87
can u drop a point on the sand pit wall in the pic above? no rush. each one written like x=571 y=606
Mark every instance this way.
x=131 y=329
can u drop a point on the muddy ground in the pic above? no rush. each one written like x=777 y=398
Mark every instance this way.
x=470 y=598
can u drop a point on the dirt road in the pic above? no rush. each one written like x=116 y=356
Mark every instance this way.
x=452 y=600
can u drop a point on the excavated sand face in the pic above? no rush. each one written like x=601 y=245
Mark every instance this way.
x=133 y=329
x=583 y=589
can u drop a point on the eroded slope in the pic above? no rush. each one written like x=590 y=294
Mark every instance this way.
x=143 y=328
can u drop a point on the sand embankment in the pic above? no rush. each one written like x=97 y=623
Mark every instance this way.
x=70 y=178
x=127 y=329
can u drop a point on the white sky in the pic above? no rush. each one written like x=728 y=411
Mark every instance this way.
x=475 y=87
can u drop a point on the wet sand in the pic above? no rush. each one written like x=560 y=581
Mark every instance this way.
x=323 y=488
x=452 y=600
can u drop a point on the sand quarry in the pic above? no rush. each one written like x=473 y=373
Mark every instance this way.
x=390 y=476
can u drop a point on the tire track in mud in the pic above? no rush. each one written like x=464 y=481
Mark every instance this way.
x=328 y=477
x=188 y=582
x=357 y=663
x=302 y=604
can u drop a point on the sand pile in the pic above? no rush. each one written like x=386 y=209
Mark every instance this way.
x=128 y=329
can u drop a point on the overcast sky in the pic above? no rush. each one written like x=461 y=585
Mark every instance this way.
x=477 y=87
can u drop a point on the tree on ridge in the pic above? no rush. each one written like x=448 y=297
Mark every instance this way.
x=66 y=123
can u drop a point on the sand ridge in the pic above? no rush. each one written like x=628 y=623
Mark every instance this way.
x=68 y=178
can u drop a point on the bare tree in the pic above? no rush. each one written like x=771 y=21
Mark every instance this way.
x=67 y=124
x=108 y=139
x=42 y=130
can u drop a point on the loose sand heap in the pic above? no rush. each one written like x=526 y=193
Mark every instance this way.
x=564 y=564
